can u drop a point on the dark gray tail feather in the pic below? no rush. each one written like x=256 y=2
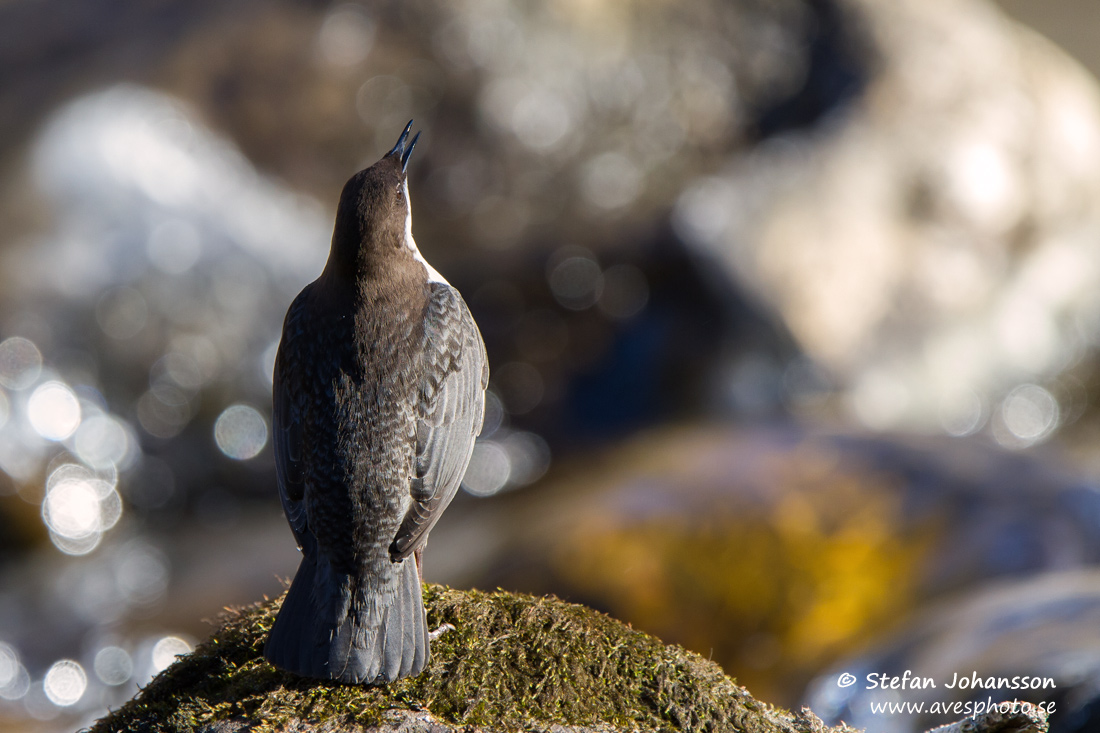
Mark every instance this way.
x=314 y=634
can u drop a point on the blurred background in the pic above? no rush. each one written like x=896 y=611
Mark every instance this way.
x=792 y=307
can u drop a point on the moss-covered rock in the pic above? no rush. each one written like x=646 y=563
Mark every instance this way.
x=512 y=662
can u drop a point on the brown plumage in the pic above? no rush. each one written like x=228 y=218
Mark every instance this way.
x=379 y=393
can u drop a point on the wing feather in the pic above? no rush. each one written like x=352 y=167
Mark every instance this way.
x=451 y=408
x=287 y=439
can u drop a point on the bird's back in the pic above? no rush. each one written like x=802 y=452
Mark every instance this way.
x=354 y=375
x=345 y=416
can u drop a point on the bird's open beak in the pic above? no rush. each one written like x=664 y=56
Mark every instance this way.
x=402 y=150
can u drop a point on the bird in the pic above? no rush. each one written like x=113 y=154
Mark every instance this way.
x=378 y=397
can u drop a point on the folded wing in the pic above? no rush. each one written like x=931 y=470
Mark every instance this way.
x=287 y=439
x=451 y=405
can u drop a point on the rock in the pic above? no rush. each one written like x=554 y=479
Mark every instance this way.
x=996 y=722
x=932 y=244
x=1041 y=629
x=513 y=662
x=768 y=548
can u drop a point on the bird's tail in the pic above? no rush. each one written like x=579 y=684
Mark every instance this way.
x=321 y=633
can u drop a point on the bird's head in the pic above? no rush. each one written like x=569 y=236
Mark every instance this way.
x=374 y=218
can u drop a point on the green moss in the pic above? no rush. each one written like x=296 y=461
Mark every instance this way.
x=513 y=662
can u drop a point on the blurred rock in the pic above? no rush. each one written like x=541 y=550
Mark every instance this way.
x=1025 y=721
x=1045 y=627
x=933 y=245
x=774 y=549
x=1069 y=23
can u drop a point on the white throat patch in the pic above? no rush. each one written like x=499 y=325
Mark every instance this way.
x=433 y=274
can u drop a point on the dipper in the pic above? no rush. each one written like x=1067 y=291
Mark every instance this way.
x=379 y=393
